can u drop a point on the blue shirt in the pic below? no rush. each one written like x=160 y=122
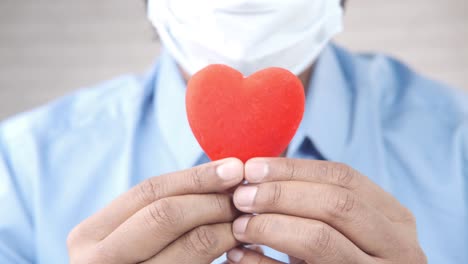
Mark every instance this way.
x=63 y=162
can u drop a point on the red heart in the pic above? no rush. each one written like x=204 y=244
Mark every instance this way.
x=233 y=116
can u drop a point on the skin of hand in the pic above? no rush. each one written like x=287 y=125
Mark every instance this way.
x=181 y=217
x=320 y=212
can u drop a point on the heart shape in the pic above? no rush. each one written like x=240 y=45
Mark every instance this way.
x=233 y=116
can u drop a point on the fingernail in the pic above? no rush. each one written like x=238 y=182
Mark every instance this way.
x=245 y=195
x=230 y=170
x=240 y=224
x=256 y=170
x=235 y=255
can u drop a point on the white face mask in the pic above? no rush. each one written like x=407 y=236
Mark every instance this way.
x=247 y=35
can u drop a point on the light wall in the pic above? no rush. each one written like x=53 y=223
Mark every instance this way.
x=49 y=48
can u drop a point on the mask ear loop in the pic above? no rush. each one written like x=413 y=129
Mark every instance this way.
x=160 y=23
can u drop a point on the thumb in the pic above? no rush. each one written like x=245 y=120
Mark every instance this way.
x=249 y=256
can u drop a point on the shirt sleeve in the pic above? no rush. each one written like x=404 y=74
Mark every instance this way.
x=16 y=228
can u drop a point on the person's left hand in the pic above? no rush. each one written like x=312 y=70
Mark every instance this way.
x=320 y=212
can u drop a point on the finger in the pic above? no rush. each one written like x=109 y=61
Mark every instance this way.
x=154 y=227
x=201 y=245
x=293 y=260
x=256 y=248
x=283 y=169
x=248 y=256
x=208 y=178
x=306 y=239
x=340 y=208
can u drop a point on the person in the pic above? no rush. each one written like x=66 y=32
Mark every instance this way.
x=376 y=173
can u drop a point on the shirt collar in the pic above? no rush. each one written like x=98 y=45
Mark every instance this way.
x=328 y=116
x=171 y=114
x=326 y=122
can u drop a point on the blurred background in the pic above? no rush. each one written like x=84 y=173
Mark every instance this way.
x=49 y=48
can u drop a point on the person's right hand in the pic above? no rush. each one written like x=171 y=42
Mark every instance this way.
x=182 y=217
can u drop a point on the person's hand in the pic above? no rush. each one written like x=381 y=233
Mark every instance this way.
x=320 y=212
x=182 y=217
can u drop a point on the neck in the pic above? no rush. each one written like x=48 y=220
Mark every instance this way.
x=305 y=77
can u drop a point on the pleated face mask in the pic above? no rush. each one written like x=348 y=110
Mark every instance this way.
x=247 y=35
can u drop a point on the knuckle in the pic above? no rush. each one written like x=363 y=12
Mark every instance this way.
x=149 y=191
x=261 y=224
x=197 y=177
x=99 y=254
x=319 y=240
x=291 y=169
x=413 y=254
x=275 y=194
x=420 y=257
x=202 y=241
x=224 y=207
x=163 y=212
x=73 y=238
x=91 y=255
x=343 y=174
x=321 y=170
x=221 y=203
x=76 y=237
x=408 y=216
x=342 y=205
